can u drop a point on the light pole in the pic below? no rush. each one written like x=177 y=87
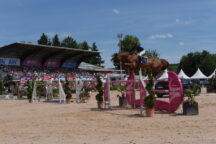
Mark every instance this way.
x=120 y=36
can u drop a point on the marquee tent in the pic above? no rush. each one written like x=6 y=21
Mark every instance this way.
x=183 y=75
x=199 y=75
x=213 y=74
x=164 y=75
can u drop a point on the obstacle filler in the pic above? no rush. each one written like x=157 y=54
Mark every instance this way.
x=175 y=93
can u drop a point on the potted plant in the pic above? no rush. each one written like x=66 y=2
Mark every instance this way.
x=85 y=95
x=67 y=91
x=99 y=96
x=190 y=106
x=122 y=97
x=29 y=90
x=2 y=89
x=149 y=101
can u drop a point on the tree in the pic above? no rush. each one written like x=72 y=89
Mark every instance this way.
x=96 y=60
x=43 y=39
x=55 y=41
x=84 y=46
x=125 y=45
x=203 y=60
x=152 y=54
x=69 y=42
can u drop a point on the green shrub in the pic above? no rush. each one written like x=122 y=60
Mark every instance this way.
x=99 y=96
x=149 y=100
x=67 y=89
x=2 y=89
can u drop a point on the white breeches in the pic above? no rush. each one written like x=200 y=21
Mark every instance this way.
x=141 y=53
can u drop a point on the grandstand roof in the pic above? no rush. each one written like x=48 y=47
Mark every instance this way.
x=44 y=52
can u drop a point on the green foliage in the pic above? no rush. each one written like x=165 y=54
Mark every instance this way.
x=203 y=60
x=191 y=92
x=99 y=87
x=121 y=88
x=96 y=60
x=55 y=92
x=69 y=42
x=152 y=54
x=43 y=40
x=30 y=86
x=85 y=94
x=125 y=45
x=173 y=67
x=84 y=45
x=2 y=89
x=40 y=88
x=67 y=89
x=55 y=41
x=149 y=100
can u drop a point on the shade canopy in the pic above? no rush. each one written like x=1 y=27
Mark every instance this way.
x=45 y=53
x=164 y=75
x=213 y=74
x=183 y=75
x=199 y=75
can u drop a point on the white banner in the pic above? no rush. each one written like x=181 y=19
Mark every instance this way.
x=10 y=61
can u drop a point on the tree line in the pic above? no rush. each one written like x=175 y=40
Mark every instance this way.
x=70 y=42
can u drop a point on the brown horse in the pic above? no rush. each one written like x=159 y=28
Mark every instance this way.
x=155 y=65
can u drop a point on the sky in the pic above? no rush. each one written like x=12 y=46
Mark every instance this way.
x=171 y=27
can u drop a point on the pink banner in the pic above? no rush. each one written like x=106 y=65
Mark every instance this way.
x=23 y=80
x=32 y=62
x=70 y=78
x=130 y=90
x=52 y=64
x=106 y=91
x=47 y=78
x=175 y=86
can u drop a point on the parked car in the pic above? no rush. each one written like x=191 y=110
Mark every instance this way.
x=164 y=85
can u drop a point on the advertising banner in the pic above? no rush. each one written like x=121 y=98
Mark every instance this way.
x=54 y=64
x=10 y=61
x=69 y=65
x=32 y=62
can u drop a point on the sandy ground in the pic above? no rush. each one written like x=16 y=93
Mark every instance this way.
x=50 y=123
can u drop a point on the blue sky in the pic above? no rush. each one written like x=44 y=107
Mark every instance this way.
x=172 y=27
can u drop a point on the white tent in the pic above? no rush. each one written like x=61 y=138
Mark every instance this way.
x=199 y=75
x=164 y=75
x=213 y=74
x=183 y=75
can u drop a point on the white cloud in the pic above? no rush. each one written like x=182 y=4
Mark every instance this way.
x=115 y=11
x=185 y=22
x=181 y=43
x=160 y=36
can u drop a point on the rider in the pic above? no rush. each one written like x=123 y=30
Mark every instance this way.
x=141 y=51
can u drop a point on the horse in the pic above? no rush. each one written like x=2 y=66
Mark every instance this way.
x=155 y=65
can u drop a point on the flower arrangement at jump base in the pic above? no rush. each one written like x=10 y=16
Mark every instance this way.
x=85 y=95
x=99 y=96
x=149 y=101
x=67 y=91
x=122 y=97
x=30 y=90
x=190 y=106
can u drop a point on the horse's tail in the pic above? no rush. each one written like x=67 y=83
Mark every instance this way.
x=165 y=64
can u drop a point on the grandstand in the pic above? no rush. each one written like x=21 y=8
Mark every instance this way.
x=26 y=54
